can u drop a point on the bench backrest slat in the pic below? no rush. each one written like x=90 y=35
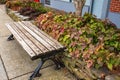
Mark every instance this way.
x=20 y=40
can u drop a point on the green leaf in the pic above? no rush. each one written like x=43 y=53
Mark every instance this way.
x=94 y=56
x=70 y=49
x=97 y=66
x=117 y=63
x=66 y=37
x=110 y=66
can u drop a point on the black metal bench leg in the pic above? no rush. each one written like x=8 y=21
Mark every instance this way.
x=36 y=72
x=10 y=37
x=56 y=63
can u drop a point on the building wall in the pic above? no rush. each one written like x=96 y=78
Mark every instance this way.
x=68 y=6
x=115 y=6
x=62 y=5
x=100 y=8
x=114 y=12
x=97 y=8
x=115 y=18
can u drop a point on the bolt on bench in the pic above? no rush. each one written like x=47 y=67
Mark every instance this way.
x=36 y=43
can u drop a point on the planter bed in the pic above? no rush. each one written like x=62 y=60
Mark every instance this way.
x=15 y=15
x=24 y=10
x=77 y=34
x=84 y=73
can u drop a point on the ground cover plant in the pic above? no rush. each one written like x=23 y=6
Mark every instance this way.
x=2 y=1
x=94 y=42
x=27 y=8
x=14 y=4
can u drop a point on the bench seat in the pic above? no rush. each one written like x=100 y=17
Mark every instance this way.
x=35 y=42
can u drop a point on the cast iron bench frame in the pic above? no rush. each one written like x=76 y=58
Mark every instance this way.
x=36 y=43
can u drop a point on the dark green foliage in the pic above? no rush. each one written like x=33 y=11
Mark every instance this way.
x=87 y=38
x=27 y=8
x=2 y=1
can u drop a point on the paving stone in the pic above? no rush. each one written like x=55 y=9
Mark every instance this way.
x=2 y=71
x=50 y=73
x=4 y=31
x=4 y=18
x=112 y=77
x=16 y=60
x=2 y=7
x=4 y=15
x=23 y=77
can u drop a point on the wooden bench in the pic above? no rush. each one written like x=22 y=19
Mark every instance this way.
x=35 y=42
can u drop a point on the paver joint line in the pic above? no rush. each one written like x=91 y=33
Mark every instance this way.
x=29 y=72
x=4 y=36
x=4 y=67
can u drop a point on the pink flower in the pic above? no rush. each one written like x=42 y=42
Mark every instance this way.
x=89 y=63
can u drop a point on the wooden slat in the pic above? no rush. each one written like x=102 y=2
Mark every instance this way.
x=42 y=36
x=48 y=46
x=30 y=37
x=46 y=38
x=20 y=40
x=54 y=42
x=28 y=42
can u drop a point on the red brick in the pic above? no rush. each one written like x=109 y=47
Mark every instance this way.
x=115 y=6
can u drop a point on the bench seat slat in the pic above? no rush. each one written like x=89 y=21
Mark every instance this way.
x=20 y=40
x=30 y=37
x=42 y=36
x=54 y=42
x=26 y=40
x=48 y=46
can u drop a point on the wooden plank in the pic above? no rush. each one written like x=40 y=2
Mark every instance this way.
x=48 y=46
x=43 y=36
x=22 y=35
x=54 y=42
x=47 y=39
x=20 y=40
x=30 y=37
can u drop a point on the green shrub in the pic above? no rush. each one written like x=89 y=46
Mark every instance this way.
x=93 y=41
x=2 y=1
